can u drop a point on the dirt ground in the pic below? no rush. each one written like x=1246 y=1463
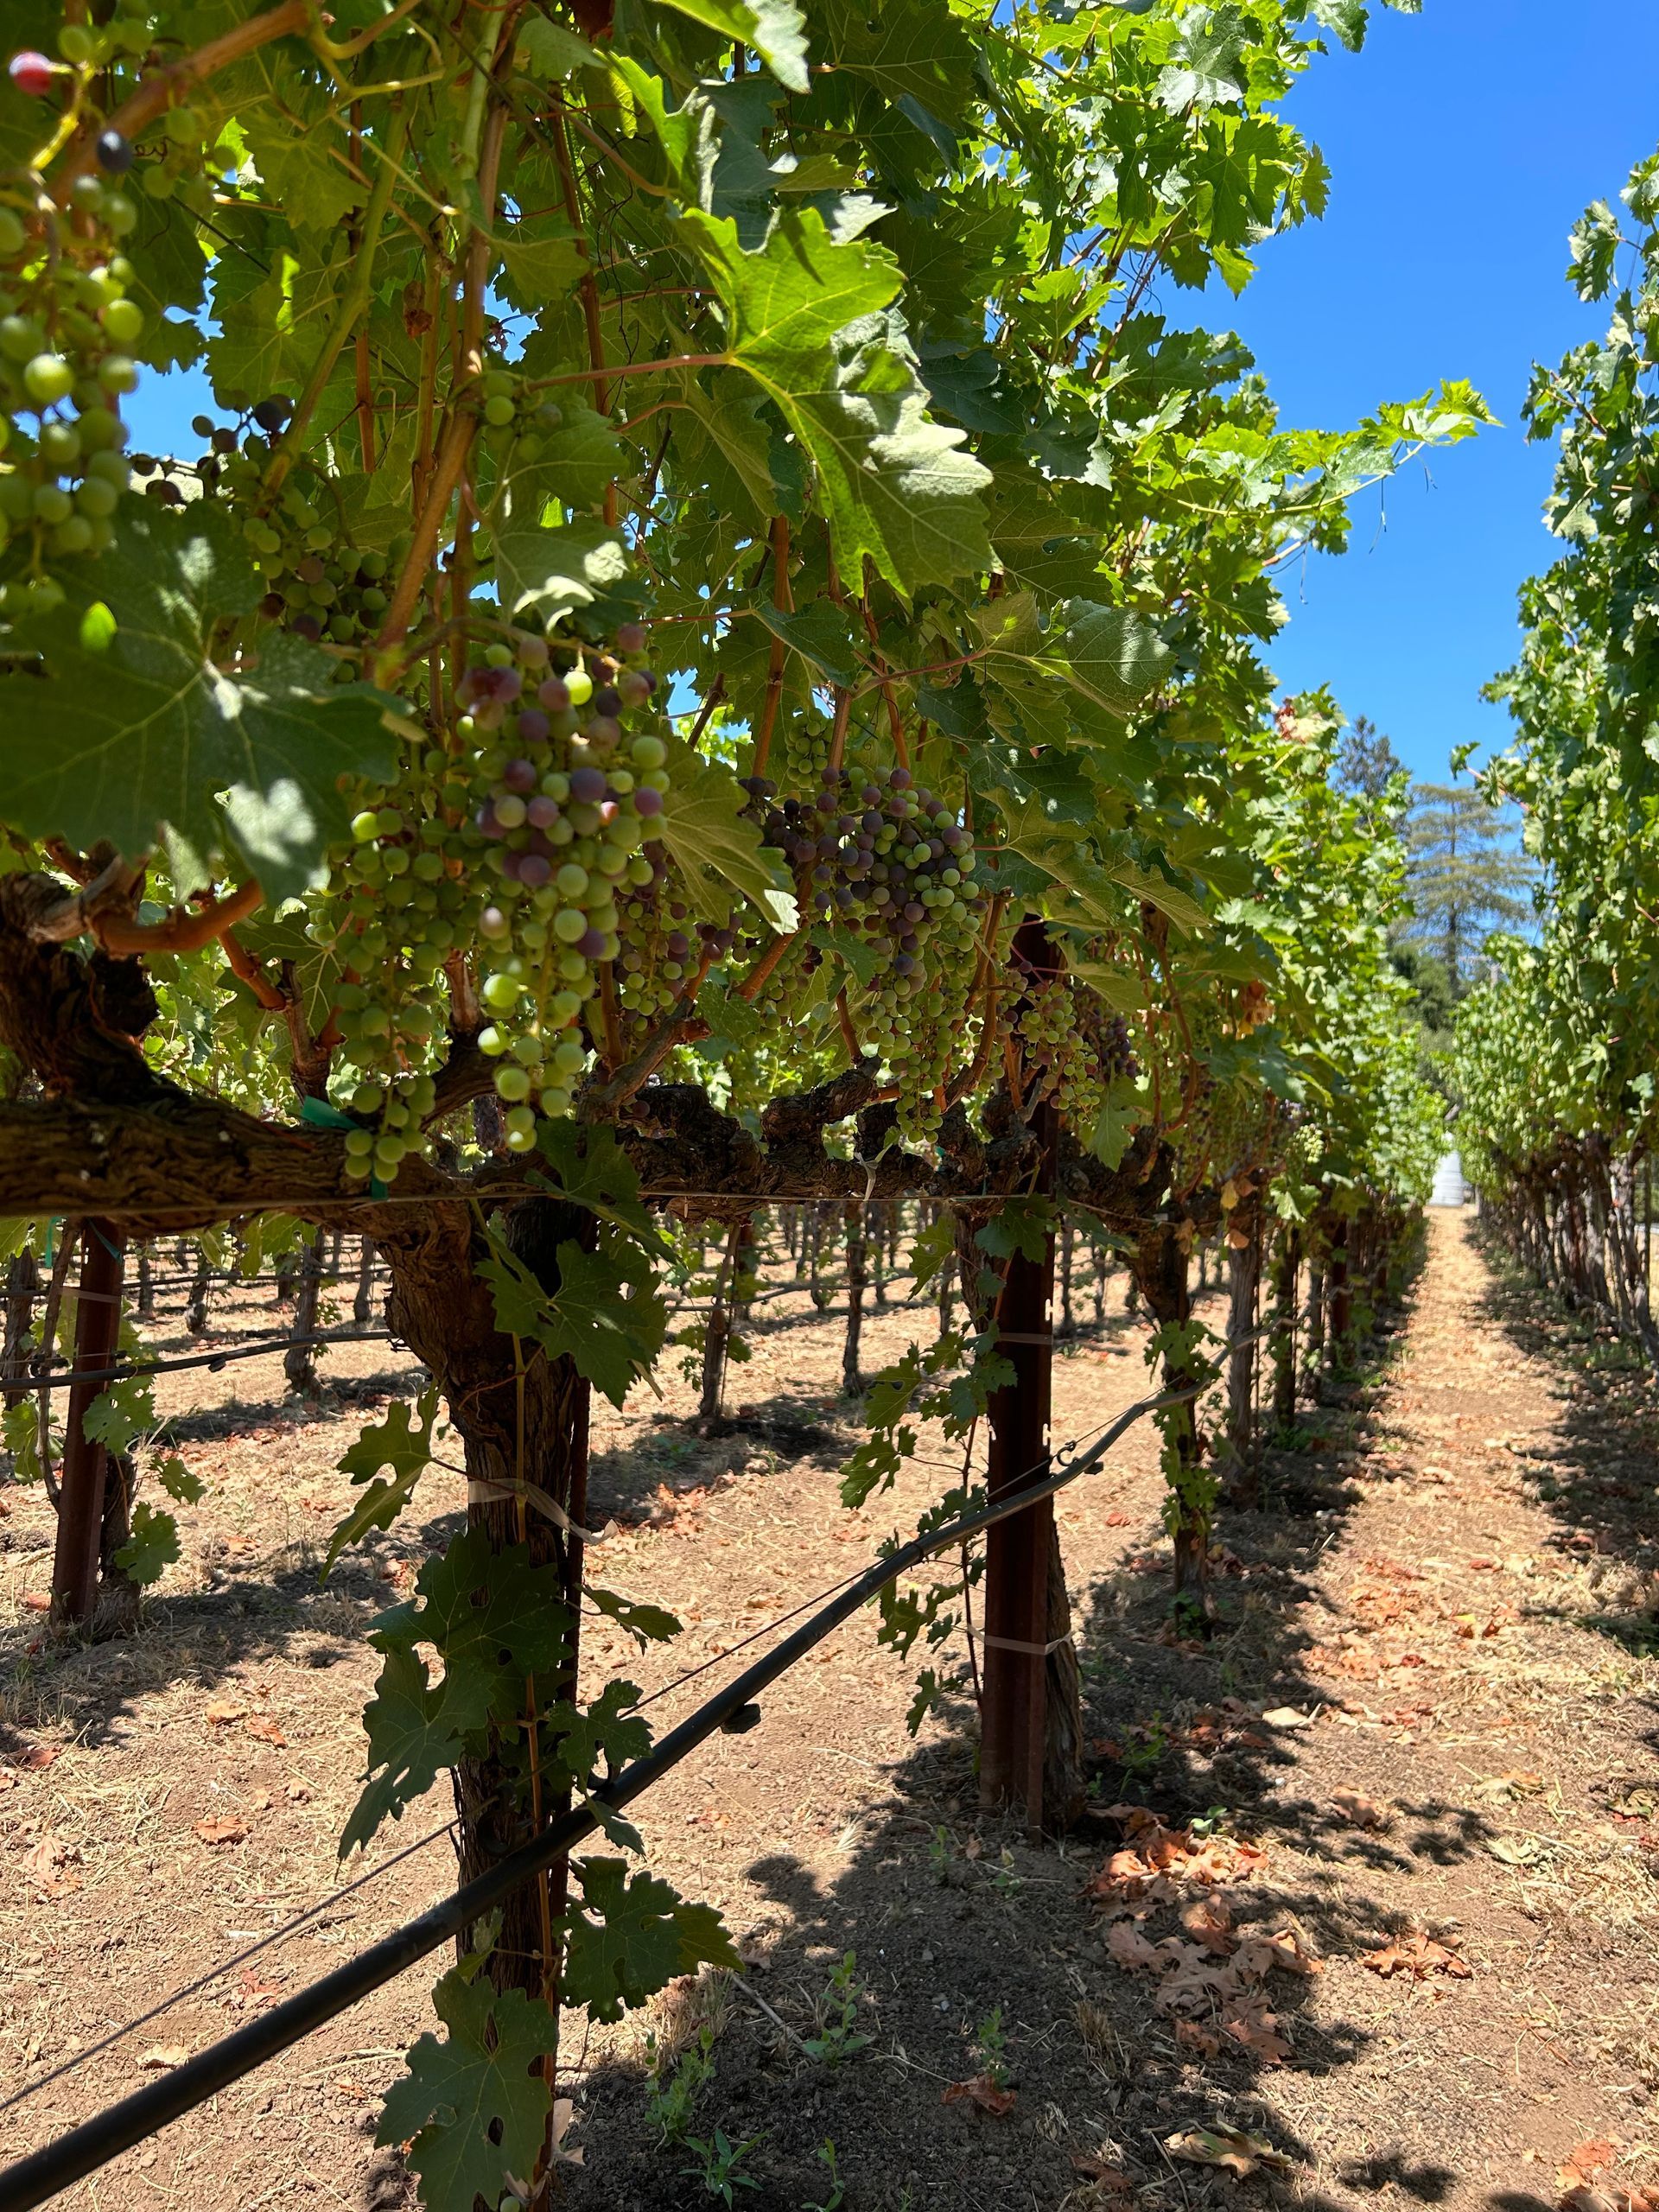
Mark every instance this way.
x=1381 y=1929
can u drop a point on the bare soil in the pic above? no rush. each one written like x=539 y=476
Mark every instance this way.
x=1422 y=1734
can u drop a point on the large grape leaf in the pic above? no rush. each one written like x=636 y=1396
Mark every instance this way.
x=476 y=2104
x=151 y=739
x=631 y=1938
x=804 y=318
x=605 y=1316
x=718 y=850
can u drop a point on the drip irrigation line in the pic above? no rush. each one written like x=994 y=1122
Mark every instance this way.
x=224 y=1967
x=253 y=1350
x=32 y=2181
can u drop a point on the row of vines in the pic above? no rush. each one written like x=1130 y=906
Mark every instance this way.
x=1555 y=1054
x=708 y=656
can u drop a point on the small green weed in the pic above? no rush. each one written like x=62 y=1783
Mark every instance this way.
x=838 y=2195
x=718 y=2159
x=991 y=2049
x=668 y=2104
x=835 y=2016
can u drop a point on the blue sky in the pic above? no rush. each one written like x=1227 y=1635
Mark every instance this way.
x=1465 y=143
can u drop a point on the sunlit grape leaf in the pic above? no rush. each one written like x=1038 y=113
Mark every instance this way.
x=774 y=28
x=630 y=1938
x=476 y=2104
x=153 y=739
x=804 y=320
x=181 y=1483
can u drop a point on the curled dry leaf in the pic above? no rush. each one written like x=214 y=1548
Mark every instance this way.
x=1229 y=2148
x=223 y=1712
x=981 y=2090
x=266 y=1729
x=1354 y=1807
x=1200 y=2040
x=226 y=1828
x=1418 y=1955
x=1285 y=1716
x=46 y=1868
x=1127 y=1947
x=1098 y=2169
x=161 y=2057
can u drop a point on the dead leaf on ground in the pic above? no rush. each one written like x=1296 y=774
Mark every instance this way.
x=226 y=1828
x=983 y=2092
x=35 y=1601
x=1191 y=2037
x=161 y=2057
x=1127 y=1947
x=1285 y=1716
x=223 y=1712
x=37 y=1758
x=1418 y=1956
x=1229 y=2148
x=1117 y=1520
x=45 y=1867
x=1102 y=2173
x=1363 y=1812
x=266 y=1729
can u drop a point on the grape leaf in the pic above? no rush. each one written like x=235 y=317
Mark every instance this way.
x=493 y=1617
x=153 y=1545
x=630 y=1938
x=476 y=2104
x=181 y=1483
x=717 y=850
x=120 y=1412
x=152 y=739
x=607 y=1730
x=548 y=571
x=645 y=1624
x=803 y=319
x=410 y=1745
x=774 y=28
x=592 y=1170
x=550 y=51
x=605 y=1314
x=397 y=1443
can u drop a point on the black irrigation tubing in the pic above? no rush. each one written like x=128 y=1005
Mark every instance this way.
x=226 y=1965
x=32 y=2181
x=278 y=1342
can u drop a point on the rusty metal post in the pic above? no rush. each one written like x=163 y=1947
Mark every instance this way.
x=80 y=1502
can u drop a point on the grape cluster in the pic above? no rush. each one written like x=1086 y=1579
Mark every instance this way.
x=1078 y=1049
x=544 y=804
x=65 y=327
x=888 y=861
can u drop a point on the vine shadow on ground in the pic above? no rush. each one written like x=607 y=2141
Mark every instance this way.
x=953 y=1918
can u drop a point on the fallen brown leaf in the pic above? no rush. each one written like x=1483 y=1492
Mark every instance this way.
x=266 y=1729
x=1418 y=1956
x=1285 y=1716
x=1104 y=2175
x=35 y=1601
x=1229 y=2148
x=226 y=1828
x=983 y=2092
x=1191 y=2037
x=223 y=1711
x=44 y=1867
x=161 y=2057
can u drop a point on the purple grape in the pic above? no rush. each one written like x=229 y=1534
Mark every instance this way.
x=603 y=734
x=533 y=726
x=607 y=700
x=534 y=870
x=542 y=812
x=519 y=776
x=307 y=626
x=591 y=945
x=634 y=686
x=903 y=964
x=899 y=779
x=114 y=154
x=629 y=638
x=679 y=945
x=487 y=821
x=587 y=785
x=554 y=694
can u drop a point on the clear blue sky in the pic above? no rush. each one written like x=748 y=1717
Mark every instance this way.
x=1464 y=142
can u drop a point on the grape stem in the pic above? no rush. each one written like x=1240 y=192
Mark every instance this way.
x=158 y=93
x=247 y=969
